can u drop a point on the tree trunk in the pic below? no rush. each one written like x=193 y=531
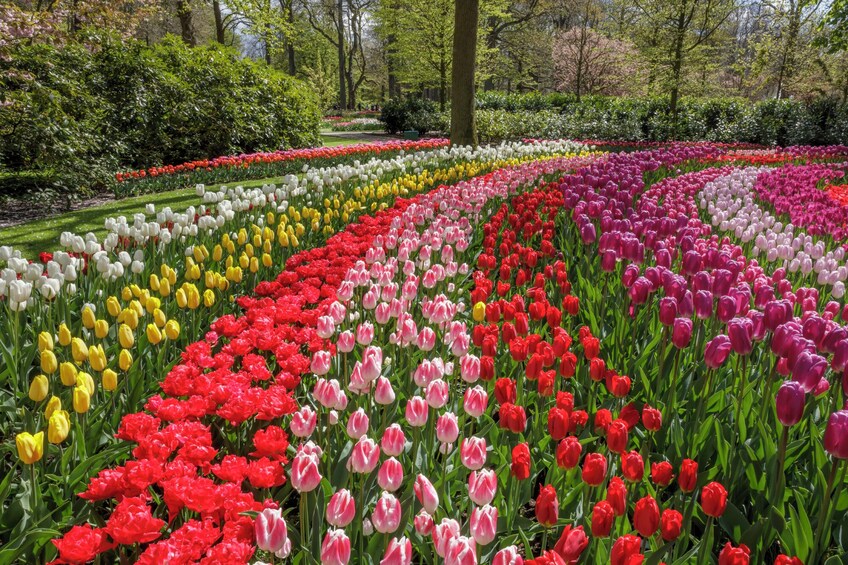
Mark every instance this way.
x=341 y=46
x=184 y=13
x=463 y=124
x=787 y=61
x=491 y=43
x=390 y=66
x=219 y=22
x=289 y=44
x=676 y=67
x=443 y=85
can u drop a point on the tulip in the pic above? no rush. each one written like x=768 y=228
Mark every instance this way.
x=617 y=496
x=416 y=411
x=426 y=494
x=125 y=336
x=30 y=447
x=568 y=452
x=646 y=516
x=730 y=555
x=671 y=523
x=624 y=549
x=305 y=476
x=82 y=399
x=38 y=388
x=447 y=428
x=508 y=556
x=571 y=544
x=423 y=523
x=109 y=378
x=713 y=499
x=45 y=342
x=341 y=509
x=836 y=435
x=58 y=427
x=520 y=466
x=662 y=473
x=364 y=456
x=393 y=441
x=681 y=332
x=632 y=466
x=461 y=551
x=472 y=453
x=390 y=475
x=547 y=506
x=272 y=532
x=790 y=401
x=387 y=513
x=335 y=549
x=384 y=394
x=475 y=402
x=357 y=424
x=399 y=552
x=484 y=524
x=125 y=360
x=482 y=486
x=617 y=436
x=809 y=370
x=717 y=351
x=688 y=478
x=49 y=364
x=303 y=422
x=437 y=393
x=594 y=469
x=52 y=405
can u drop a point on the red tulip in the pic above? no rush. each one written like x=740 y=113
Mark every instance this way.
x=602 y=518
x=594 y=469
x=688 y=478
x=558 y=423
x=568 y=452
x=617 y=436
x=632 y=466
x=520 y=467
x=662 y=473
x=714 y=499
x=734 y=555
x=547 y=506
x=651 y=418
x=671 y=523
x=571 y=544
x=646 y=516
x=624 y=548
x=617 y=496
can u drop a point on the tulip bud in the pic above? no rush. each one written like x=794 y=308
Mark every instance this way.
x=109 y=378
x=54 y=404
x=45 y=342
x=30 y=447
x=790 y=400
x=341 y=509
x=64 y=335
x=58 y=427
x=39 y=388
x=272 y=532
x=49 y=364
x=125 y=360
x=172 y=329
x=154 y=336
x=82 y=399
x=426 y=494
x=88 y=318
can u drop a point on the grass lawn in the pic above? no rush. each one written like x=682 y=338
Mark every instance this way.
x=43 y=235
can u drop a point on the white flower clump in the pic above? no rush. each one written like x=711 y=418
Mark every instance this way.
x=733 y=206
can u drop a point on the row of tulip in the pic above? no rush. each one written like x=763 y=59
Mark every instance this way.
x=79 y=361
x=235 y=168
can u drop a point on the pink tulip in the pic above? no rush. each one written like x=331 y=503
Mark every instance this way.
x=484 y=524
x=443 y=533
x=346 y=342
x=461 y=551
x=482 y=486
x=364 y=456
x=337 y=311
x=473 y=453
x=399 y=552
x=321 y=363
x=790 y=400
x=326 y=392
x=325 y=327
x=372 y=363
x=447 y=428
x=717 y=351
x=393 y=440
x=437 y=393
x=369 y=300
x=426 y=494
x=305 y=475
x=426 y=340
x=836 y=435
x=303 y=422
x=469 y=368
x=416 y=411
x=476 y=401
x=345 y=290
x=335 y=549
x=357 y=424
x=508 y=556
x=271 y=532
x=384 y=394
x=341 y=509
x=390 y=475
x=364 y=333
x=386 y=515
x=423 y=523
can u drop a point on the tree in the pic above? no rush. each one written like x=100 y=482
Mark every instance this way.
x=588 y=62
x=463 y=124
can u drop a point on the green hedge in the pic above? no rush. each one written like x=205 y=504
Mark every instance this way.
x=84 y=113
x=771 y=122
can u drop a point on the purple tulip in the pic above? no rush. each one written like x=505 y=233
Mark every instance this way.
x=741 y=331
x=691 y=262
x=836 y=435
x=686 y=306
x=702 y=281
x=681 y=332
x=758 y=320
x=726 y=309
x=608 y=260
x=808 y=370
x=763 y=296
x=840 y=357
x=640 y=290
x=722 y=279
x=790 y=403
x=629 y=276
x=703 y=304
x=832 y=339
x=815 y=328
x=587 y=232
x=777 y=312
x=717 y=351
x=668 y=310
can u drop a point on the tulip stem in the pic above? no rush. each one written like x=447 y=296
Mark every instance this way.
x=702 y=550
x=34 y=498
x=825 y=508
x=767 y=390
x=544 y=540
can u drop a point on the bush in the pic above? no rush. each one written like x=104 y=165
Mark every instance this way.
x=84 y=113
x=412 y=113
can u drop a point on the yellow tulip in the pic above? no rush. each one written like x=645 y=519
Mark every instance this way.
x=163 y=270
x=479 y=312
x=172 y=329
x=293 y=241
x=97 y=357
x=84 y=380
x=223 y=284
x=101 y=329
x=266 y=245
x=254 y=264
x=153 y=282
x=58 y=427
x=244 y=261
x=125 y=360
x=38 y=388
x=208 y=298
x=48 y=362
x=159 y=318
x=193 y=297
x=79 y=350
x=217 y=252
x=125 y=336
x=198 y=254
x=231 y=247
x=88 y=318
x=182 y=299
x=68 y=373
x=129 y=316
x=172 y=277
x=30 y=447
x=113 y=306
x=154 y=336
x=266 y=260
x=257 y=241
x=164 y=287
x=126 y=294
x=45 y=341
x=242 y=236
x=109 y=380
x=193 y=273
x=152 y=304
x=82 y=400
x=64 y=335
x=142 y=300
x=55 y=403
x=269 y=218
x=284 y=239
x=248 y=250
x=139 y=309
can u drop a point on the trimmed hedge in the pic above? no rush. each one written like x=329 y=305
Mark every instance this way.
x=771 y=122
x=83 y=113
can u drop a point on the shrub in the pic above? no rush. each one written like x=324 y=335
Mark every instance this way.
x=411 y=113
